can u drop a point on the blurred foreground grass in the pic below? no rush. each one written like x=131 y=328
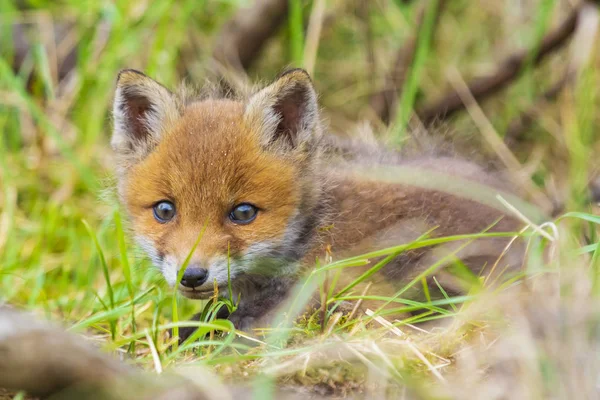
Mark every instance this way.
x=63 y=247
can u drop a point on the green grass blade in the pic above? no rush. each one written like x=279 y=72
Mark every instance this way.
x=371 y=271
x=179 y=277
x=126 y=268
x=17 y=88
x=411 y=85
x=41 y=59
x=105 y=271
x=296 y=28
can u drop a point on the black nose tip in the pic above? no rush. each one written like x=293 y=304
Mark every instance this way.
x=194 y=276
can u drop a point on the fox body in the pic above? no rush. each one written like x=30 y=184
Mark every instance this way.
x=255 y=192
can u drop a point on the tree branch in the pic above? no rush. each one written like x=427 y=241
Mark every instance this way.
x=506 y=72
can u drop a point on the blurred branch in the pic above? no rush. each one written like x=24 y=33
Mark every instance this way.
x=581 y=52
x=506 y=72
x=45 y=361
x=242 y=38
x=384 y=102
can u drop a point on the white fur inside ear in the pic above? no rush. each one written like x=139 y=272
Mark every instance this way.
x=261 y=115
x=284 y=113
x=142 y=111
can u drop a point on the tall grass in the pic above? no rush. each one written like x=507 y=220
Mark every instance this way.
x=296 y=24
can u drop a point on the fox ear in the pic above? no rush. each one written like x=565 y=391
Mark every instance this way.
x=142 y=110
x=285 y=113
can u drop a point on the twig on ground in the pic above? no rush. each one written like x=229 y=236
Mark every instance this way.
x=413 y=348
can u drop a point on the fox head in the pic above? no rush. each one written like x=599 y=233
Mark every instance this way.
x=233 y=184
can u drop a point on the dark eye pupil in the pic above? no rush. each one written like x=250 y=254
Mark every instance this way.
x=244 y=213
x=164 y=211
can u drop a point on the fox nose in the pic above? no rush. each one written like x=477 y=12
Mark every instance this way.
x=194 y=276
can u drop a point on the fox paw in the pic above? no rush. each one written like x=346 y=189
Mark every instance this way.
x=242 y=322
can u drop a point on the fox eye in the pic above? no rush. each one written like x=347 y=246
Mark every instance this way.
x=243 y=214
x=164 y=211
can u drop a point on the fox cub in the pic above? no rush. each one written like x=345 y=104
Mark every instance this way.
x=272 y=193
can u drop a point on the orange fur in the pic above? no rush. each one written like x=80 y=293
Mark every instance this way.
x=211 y=133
